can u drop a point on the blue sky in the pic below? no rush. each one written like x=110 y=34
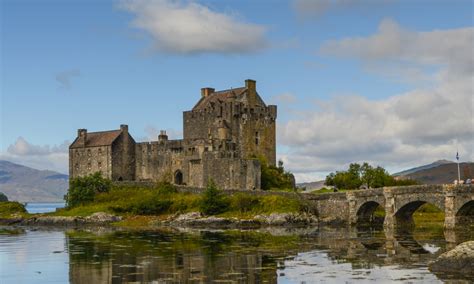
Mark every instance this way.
x=389 y=82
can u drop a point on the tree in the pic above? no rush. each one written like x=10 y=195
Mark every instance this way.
x=82 y=190
x=275 y=178
x=357 y=175
x=213 y=201
x=3 y=197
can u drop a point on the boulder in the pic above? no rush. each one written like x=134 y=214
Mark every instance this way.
x=458 y=261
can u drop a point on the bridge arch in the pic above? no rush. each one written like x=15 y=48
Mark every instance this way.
x=365 y=212
x=465 y=214
x=404 y=214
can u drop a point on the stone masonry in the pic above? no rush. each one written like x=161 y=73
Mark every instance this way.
x=222 y=136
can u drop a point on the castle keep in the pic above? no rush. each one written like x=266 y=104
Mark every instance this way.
x=222 y=135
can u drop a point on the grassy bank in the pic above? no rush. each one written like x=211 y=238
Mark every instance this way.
x=141 y=206
x=12 y=209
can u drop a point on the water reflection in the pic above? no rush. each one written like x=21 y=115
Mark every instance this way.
x=249 y=256
x=168 y=255
x=175 y=256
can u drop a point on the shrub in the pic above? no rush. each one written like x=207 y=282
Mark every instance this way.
x=82 y=190
x=11 y=207
x=275 y=178
x=166 y=188
x=213 y=201
x=244 y=202
x=3 y=197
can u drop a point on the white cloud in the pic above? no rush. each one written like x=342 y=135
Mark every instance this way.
x=188 y=27
x=43 y=157
x=408 y=129
x=398 y=47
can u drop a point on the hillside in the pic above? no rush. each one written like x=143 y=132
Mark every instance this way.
x=441 y=174
x=310 y=186
x=25 y=184
x=425 y=167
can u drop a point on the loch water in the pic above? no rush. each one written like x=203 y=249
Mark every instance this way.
x=270 y=255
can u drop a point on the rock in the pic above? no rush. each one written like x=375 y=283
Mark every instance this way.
x=102 y=217
x=459 y=261
x=187 y=216
x=99 y=218
x=287 y=219
x=194 y=219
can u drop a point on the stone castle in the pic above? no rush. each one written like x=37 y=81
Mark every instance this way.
x=222 y=135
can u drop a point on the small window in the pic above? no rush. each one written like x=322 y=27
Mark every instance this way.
x=89 y=166
x=100 y=151
x=257 y=138
x=89 y=152
x=99 y=164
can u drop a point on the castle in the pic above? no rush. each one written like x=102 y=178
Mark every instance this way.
x=222 y=135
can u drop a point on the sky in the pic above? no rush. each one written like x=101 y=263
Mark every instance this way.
x=388 y=82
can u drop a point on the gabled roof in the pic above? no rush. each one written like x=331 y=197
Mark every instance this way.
x=102 y=138
x=220 y=96
x=230 y=95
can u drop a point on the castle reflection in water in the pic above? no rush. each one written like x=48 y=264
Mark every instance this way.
x=170 y=256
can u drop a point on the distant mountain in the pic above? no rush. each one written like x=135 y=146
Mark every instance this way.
x=24 y=184
x=425 y=167
x=443 y=173
x=310 y=186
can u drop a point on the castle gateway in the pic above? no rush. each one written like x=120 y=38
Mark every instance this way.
x=222 y=135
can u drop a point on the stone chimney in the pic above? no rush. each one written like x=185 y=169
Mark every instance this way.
x=205 y=92
x=82 y=135
x=251 y=86
x=124 y=128
x=163 y=136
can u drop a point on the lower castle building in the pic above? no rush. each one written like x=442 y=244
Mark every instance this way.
x=222 y=135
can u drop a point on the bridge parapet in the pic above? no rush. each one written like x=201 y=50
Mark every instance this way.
x=412 y=189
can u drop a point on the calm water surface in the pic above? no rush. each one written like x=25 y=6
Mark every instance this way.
x=167 y=255
x=43 y=207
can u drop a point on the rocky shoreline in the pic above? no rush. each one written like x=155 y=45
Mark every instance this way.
x=458 y=261
x=196 y=220
x=99 y=218
x=191 y=220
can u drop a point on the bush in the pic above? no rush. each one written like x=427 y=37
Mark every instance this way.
x=244 y=202
x=11 y=207
x=166 y=188
x=275 y=178
x=213 y=201
x=3 y=197
x=82 y=190
x=145 y=206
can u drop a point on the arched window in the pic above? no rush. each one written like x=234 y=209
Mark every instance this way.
x=178 y=177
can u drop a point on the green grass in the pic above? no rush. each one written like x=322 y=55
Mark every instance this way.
x=427 y=215
x=10 y=209
x=132 y=202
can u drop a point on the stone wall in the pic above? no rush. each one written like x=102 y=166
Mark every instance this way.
x=123 y=157
x=257 y=133
x=84 y=161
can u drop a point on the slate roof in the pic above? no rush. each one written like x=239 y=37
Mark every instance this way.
x=220 y=96
x=102 y=138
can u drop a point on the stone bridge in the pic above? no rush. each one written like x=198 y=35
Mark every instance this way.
x=358 y=206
